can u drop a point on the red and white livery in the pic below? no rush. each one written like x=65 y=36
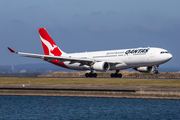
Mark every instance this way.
x=140 y=59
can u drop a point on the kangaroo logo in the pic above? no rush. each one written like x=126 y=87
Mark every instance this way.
x=53 y=49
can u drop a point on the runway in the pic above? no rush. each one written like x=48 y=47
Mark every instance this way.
x=115 y=91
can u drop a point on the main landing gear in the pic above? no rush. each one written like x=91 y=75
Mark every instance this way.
x=91 y=74
x=116 y=75
x=113 y=75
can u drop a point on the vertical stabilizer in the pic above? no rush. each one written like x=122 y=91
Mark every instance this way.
x=49 y=46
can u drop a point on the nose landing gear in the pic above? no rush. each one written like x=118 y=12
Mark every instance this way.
x=156 y=71
x=116 y=75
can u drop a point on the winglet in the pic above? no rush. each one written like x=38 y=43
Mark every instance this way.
x=11 y=50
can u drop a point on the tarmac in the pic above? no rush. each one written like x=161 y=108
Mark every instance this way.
x=81 y=90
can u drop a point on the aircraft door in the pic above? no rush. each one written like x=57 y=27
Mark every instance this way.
x=150 y=56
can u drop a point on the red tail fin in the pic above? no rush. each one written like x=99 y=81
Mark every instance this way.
x=50 y=48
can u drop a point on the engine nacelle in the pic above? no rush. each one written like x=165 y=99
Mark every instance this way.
x=101 y=66
x=144 y=69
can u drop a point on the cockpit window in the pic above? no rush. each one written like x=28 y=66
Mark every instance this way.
x=162 y=52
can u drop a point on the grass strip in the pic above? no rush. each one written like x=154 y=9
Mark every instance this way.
x=91 y=81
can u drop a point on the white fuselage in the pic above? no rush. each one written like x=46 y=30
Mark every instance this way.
x=122 y=59
x=140 y=59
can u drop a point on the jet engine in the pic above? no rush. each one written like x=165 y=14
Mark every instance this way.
x=101 y=66
x=144 y=69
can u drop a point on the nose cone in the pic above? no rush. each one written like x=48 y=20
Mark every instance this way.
x=168 y=57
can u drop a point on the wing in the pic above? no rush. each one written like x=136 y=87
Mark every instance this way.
x=83 y=61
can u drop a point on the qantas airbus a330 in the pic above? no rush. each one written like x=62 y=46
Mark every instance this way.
x=140 y=59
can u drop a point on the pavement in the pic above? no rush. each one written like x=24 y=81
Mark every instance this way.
x=81 y=90
x=91 y=87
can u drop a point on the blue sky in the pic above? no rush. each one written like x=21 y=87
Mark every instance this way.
x=79 y=25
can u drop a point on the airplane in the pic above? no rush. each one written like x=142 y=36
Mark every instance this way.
x=140 y=59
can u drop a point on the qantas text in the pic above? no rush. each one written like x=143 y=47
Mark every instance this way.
x=137 y=51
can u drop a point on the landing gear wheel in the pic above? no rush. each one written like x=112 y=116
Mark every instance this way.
x=112 y=75
x=120 y=75
x=91 y=75
x=87 y=75
x=155 y=71
x=95 y=75
x=116 y=75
